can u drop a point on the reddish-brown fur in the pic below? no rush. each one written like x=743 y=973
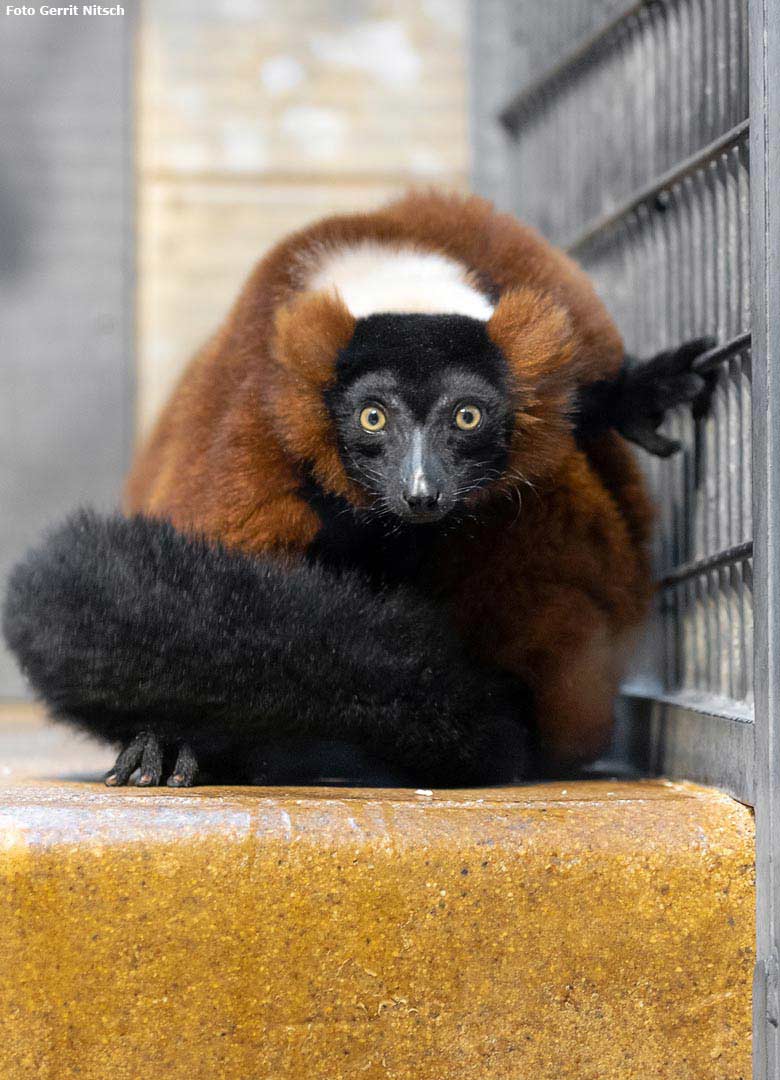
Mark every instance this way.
x=553 y=590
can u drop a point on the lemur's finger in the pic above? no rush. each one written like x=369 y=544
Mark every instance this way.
x=672 y=362
x=679 y=390
x=644 y=435
x=681 y=359
x=151 y=763
x=703 y=400
x=126 y=763
x=185 y=770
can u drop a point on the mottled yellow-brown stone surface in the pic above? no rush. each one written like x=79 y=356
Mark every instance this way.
x=592 y=930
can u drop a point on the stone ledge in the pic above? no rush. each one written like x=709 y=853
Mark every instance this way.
x=586 y=930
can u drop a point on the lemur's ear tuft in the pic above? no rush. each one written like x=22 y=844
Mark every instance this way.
x=309 y=332
x=535 y=335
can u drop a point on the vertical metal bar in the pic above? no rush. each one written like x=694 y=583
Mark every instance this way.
x=711 y=538
x=765 y=278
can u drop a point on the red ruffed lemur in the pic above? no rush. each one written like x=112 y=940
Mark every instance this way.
x=390 y=503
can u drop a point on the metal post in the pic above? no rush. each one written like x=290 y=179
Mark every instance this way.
x=765 y=274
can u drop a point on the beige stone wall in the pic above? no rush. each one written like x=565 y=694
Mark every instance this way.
x=257 y=116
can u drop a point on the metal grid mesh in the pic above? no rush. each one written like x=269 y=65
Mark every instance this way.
x=547 y=41
x=673 y=267
x=659 y=85
x=630 y=148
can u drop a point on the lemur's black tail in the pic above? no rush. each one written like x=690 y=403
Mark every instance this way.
x=127 y=628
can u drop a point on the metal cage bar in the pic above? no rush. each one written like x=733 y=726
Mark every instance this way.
x=765 y=238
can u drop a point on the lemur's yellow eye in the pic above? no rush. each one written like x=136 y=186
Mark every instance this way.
x=372 y=418
x=468 y=417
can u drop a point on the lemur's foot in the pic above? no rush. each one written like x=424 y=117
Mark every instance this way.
x=145 y=753
x=650 y=388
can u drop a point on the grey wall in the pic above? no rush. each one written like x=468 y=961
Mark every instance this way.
x=66 y=204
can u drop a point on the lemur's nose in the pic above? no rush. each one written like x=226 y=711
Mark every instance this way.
x=420 y=473
x=420 y=495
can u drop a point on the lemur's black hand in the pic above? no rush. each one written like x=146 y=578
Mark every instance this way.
x=636 y=401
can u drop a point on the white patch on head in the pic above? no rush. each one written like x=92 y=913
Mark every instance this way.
x=372 y=278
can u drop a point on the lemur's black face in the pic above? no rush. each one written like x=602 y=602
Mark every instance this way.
x=422 y=410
